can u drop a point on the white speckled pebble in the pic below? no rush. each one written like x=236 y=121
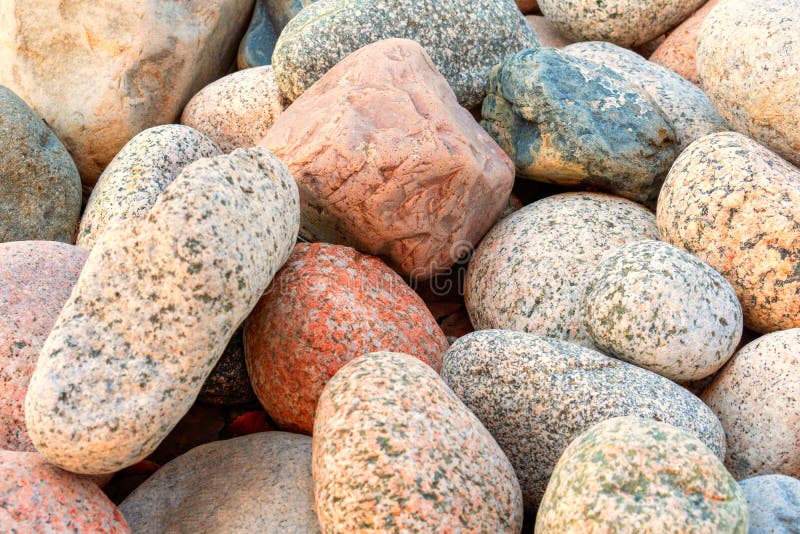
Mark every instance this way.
x=774 y=504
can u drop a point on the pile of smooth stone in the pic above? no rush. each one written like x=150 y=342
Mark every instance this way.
x=400 y=266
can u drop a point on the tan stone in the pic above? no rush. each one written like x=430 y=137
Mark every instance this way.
x=547 y=33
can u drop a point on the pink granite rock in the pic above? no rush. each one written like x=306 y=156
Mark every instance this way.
x=388 y=162
x=547 y=33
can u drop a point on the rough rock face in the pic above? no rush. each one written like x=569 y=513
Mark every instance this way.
x=229 y=384
x=388 y=162
x=569 y=121
x=774 y=504
x=36 y=278
x=635 y=475
x=623 y=22
x=154 y=308
x=328 y=305
x=536 y=394
x=655 y=306
x=465 y=38
x=530 y=270
x=256 y=483
x=136 y=176
x=736 y=206
x=755 y=397
x=258 y=42
x=101 y=71
x=40 y=190
x=414 y=456
x=38 y=497
x=747 y=56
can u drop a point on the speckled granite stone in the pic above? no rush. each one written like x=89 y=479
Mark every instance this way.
x=282 y=11
x=36 y=279
x=256 y=483
x=530 y=270
x=465 y=38
x=636 y=475
x=328 y=305
x=40 y=189
x=547 y=34
x=623 y=22
x=229 y=384
x=568 y=121
x=141 y=171
x=388 y=163
x=236 y=111
x=655 y=306
x=258 y=42
x=688 y=108
x=748 y=53
x=734 y=204
x=535 y=394
x=756 y=398
x=774 y=504
x=413 y=455
x=38 y=497
x=154 y=308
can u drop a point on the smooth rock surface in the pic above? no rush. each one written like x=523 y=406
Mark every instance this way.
x=636 y=475
x=282 y=11
x=755 y=397
x=414 y=456
x=547 y=34
x=256 y=483
x=464 y=38
x=653 y=305
x=528 y=6
x=154 y=308
x=536 y=394
x=530 y=270
x=229 y=384
x=388 y=162
x=258 y=42
x=736 y=206
x=774 y=504
x=136 y=176
x=40 y=189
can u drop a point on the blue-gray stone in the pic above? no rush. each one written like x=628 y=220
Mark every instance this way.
x=280 y=12
x=258 y=43
x=774 y=504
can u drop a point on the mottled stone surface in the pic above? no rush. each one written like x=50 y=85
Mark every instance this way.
x=688 y=109
x=530 y=270
x=38 y=497
x=636 y=475
x=547 y=34
x=736 y=206
x=282 y=11
x=388 y=162
x=256 y=483
x=748 y=52
x=136 y=176
x=755 y=397
x=465 y=38
x=101 y=71
x=229 y=383
x=154 y=308
x=536 y=394
x=36 y=278
x=328 y=305
x=258 y=42
x=414 y=456
x=40 y=190
x=774 y=504
x=623 y=22
x=658 y=307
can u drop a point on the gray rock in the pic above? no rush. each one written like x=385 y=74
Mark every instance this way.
x=536 y=394
x=568 y=121
x=258 y=42
x=229 y=384
x=40 y=189
x=774 y=504
x=282 y=11
x=464 y=38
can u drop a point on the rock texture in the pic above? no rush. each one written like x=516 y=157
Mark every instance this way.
x=154 y=308
x=528 y=6
x=258 y=42
x=236 y=111
x=40 y=190
x=635 y=475
x=36 y=279
x=414 y=456
x=755 y=397
x=530 y=270
x=328 y=305
x=774 y=504
x=736 y=206
x=465 y=38
x=747 y=57
x=547 y=34
x=100 y=72
x=256 y=483
x=388 y=162
x=229 y=384
x=536 y=394
x=282 y=11
x=136 y=176
x=655 y=306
